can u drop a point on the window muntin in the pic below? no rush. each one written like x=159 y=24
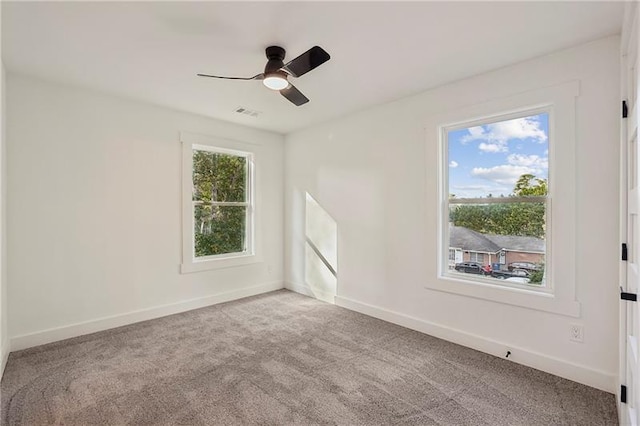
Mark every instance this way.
x=496 y=175
x=222 y=211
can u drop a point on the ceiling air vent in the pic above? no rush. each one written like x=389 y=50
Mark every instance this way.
x=247 y=112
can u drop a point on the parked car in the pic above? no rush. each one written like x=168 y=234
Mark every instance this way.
x=520 y=280
x=473 y=268
x=508 y=274
x=528 y=266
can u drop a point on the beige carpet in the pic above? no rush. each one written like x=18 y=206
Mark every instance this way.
x=279 y=359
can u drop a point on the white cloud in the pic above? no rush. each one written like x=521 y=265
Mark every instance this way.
x=533 y=161
x=473 y=191
x=474 y=134
x=506 y=174
x=518 y=164
x=493 y=147
x=472 y=187
x=497 y=135
x=483 y=188
x=453 y=164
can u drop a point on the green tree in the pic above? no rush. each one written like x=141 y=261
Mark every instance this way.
x=524 y=219
x=218 y=177
x=524 y=188
x=537 y=276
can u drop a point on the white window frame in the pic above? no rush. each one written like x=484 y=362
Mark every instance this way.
x=191 y=263
x=559 y=294
x=456 y=251
x=452 y=251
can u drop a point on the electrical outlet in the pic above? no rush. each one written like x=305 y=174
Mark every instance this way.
x=576 y=333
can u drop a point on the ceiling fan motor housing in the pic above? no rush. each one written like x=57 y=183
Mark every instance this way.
x=276 y=73
x=275 y=54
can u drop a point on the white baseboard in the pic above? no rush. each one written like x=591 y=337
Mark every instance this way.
x=306 y=290
x=105 y=323
x=559 y=367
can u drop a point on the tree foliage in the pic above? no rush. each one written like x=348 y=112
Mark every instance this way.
x=537 y=276
x=524 y=188
x=524 y=219
x=218 y=177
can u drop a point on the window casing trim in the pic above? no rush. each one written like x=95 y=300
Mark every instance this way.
x=559 y=295
x=251 y=254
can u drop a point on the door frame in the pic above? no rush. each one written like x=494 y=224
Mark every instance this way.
x=629 y=35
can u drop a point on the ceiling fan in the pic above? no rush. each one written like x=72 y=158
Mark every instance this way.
x=276 y=73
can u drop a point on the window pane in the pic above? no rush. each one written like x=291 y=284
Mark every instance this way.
x=495 y=161
x=507 y=157
x=219 y=177
x=219 y=229
x=505 y=240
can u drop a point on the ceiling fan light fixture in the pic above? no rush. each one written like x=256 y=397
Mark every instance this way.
x=276 y=80
x=276 y=73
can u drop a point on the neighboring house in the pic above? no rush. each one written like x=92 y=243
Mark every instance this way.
x=466 y=245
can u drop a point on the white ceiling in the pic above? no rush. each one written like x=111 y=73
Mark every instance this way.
x=380 y=51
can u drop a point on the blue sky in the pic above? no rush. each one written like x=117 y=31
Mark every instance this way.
x=489 y=159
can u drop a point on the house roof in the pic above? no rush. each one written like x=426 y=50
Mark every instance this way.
x=518 y=243
x=467 y=239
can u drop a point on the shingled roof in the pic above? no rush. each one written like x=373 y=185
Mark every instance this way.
x=466 y=239
x=469 y=240
x=519 y=243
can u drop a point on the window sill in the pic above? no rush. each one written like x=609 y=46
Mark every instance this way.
x=531 y=299
x=219 y=263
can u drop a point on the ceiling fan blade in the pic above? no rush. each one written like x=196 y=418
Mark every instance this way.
x=294 y=95
x=309 y=60
x=255 y=77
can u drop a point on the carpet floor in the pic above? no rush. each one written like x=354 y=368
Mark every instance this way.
x=279 y=359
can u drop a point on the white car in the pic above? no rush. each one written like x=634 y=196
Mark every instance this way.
x=521 y=280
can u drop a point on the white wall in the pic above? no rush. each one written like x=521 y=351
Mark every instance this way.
x=94 y=213
x=4 y=317
x=4 y=322
x=374 y=174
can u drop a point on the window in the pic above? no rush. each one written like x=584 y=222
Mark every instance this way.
x=218 y=204
x=497 y=180
x=547 y=112
x=222 y=210
x=476 y=257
